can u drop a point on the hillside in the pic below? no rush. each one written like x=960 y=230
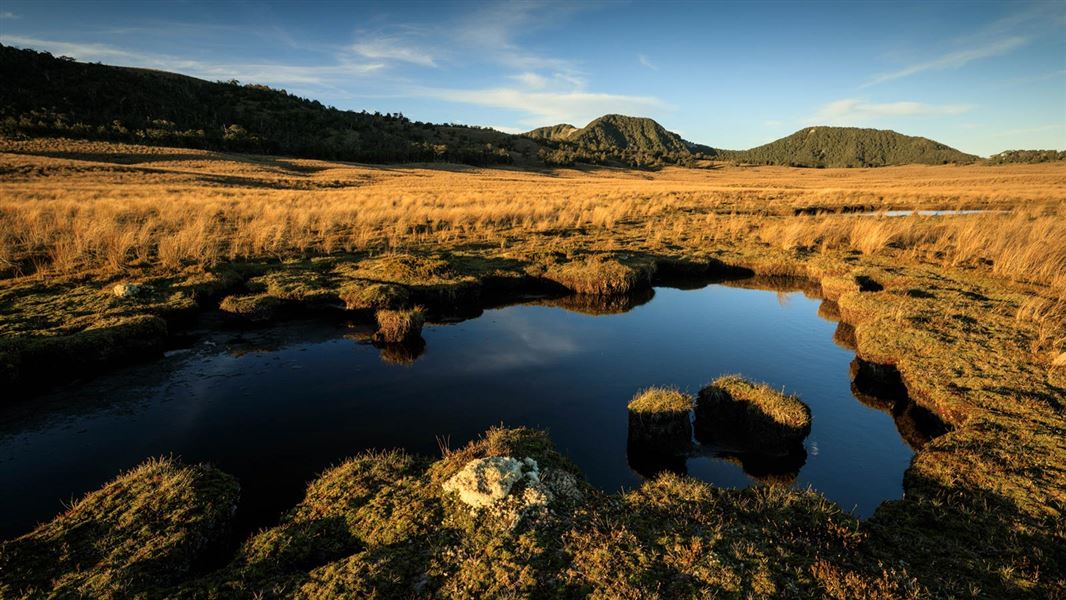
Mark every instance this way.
x=1027 y=156
x=630 y=133
x=553 y=133
x=611 y=138
x=849 y=147
x=44 y=95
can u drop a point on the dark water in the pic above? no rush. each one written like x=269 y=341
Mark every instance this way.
x=274 y=407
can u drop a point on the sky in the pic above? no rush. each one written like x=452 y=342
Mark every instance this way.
x=979 y=76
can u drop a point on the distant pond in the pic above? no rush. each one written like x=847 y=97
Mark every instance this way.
x=274 y=406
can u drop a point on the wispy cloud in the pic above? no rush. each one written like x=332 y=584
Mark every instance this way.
x=550 y=107
x=531 y=80
x=850 y=111
x=387 y=48
x=646 y=62
x=269 y=73
x=953 y=60
x=1059 y=127
x=81 y=51
x=7 y=15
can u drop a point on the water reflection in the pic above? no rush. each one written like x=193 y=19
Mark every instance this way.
x=275 y=406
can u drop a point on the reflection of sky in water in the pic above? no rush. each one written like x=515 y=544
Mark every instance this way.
x=308 y=397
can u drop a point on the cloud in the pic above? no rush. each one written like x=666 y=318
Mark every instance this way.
x=81 y=51
x=550 y=107
x=1058 y=127
x=389 y=48
x=854 y=110
x=268 y=73
x=646 y=62
x=8 y=15
x=530 y=79
x=953 y=60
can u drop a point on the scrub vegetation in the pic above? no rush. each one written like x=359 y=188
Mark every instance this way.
x=967 y=312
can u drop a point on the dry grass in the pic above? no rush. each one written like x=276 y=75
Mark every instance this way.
x=399 y=326
x=69 y=207
x=762 y=408
x=660 y=400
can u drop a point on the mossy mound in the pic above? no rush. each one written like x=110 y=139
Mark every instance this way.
x=676 y=537
x=747 y=416
x=297 y=284
x=143 y=531
x=601 y=275
x=429 y=279
x=254 y=307
x=660 y=422
x=36 y=361
x=368 y=295
x=389 y=525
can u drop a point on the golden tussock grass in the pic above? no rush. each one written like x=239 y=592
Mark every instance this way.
x=68 y=207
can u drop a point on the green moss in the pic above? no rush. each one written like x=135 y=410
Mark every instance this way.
x=254 y=307
x=429 y=278
x=138 y=534
x=295 y=284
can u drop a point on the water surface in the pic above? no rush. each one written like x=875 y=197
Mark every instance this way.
x=276 y=406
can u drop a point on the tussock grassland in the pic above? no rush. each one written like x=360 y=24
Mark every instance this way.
x=121 y=207
x=969 y=310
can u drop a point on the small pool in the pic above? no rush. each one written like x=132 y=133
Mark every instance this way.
x=275 y=406
x=931 y=213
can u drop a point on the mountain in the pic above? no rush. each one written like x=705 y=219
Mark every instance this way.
x=616 y=133
x=849 y=147
x=45 y=95
x=630 y=133
x=616 y=138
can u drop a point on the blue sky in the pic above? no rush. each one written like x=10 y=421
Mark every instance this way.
x=980 y=76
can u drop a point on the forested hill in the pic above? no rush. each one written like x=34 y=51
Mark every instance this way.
x=632 y=140
x=1027 y=156
x=45 y=95
x=849 y=147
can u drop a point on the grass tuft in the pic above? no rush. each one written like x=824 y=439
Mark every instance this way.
x=399 y=326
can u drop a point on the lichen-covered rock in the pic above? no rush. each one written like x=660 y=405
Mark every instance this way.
x=485 y=481
x=130 y=290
